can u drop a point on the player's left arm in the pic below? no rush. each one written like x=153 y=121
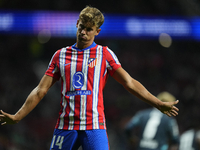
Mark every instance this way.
x=137 y=89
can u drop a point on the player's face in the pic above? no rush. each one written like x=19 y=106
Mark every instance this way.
x=86 y=32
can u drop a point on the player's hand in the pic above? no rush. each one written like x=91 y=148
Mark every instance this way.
x=169 y=109
x=6 y=118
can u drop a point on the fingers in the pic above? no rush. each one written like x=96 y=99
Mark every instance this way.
x=3 y=113
x=171 y=113
x=6 y=118
x=168 y=114
x=174 y=113
x=2 y=117
x=175 y=108
x=172 y=110
x=176 y=102
x=3 y=123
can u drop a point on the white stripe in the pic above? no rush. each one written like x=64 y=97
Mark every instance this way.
x=108 y=65
x=83 y=97
x=96 y=87
x=105 y=72
x=72 y=98
x=113 y=55
x=62 y=71
x=52 y=59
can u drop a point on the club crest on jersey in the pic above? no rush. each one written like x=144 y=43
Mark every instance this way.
x=92 y=62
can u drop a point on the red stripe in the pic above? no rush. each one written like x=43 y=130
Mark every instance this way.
x=100 y=96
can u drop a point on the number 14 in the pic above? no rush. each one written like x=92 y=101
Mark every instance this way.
x=59 y=141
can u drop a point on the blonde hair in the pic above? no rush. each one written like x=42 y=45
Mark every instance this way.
x=166 y=97
x=91 y=16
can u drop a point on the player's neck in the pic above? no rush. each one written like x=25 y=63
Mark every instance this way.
x=83 y=45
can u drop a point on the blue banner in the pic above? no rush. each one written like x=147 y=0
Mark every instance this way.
x=63 y=24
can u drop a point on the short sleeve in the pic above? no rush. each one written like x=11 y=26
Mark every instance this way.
x=112 y=62
x=53 y=68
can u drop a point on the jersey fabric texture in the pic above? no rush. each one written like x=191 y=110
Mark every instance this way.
x=73 y=139
x=83 y=75
x=155 y=130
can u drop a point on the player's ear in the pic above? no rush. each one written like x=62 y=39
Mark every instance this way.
x=98 y=30
x=77 y=23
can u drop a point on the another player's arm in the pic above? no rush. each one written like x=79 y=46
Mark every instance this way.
x=137 y=89
x=32 y=100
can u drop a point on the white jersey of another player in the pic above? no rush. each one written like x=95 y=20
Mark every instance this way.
x=190 y=140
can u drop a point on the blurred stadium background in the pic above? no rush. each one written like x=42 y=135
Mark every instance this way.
x=157 y=42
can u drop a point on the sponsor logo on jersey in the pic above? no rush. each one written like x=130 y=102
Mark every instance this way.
x=81 y=92
x=78 y=80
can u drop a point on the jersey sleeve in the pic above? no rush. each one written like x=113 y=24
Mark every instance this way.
x=112 y=62
x=53 y=68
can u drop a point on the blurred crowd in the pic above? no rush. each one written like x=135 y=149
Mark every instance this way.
x=23 y=61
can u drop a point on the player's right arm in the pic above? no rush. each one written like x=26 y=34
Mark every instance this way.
x=31 y=102
x=137 y=89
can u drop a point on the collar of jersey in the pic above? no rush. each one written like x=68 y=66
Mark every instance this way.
x=74 y=47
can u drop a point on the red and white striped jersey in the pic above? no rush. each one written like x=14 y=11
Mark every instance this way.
x=83 y=76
